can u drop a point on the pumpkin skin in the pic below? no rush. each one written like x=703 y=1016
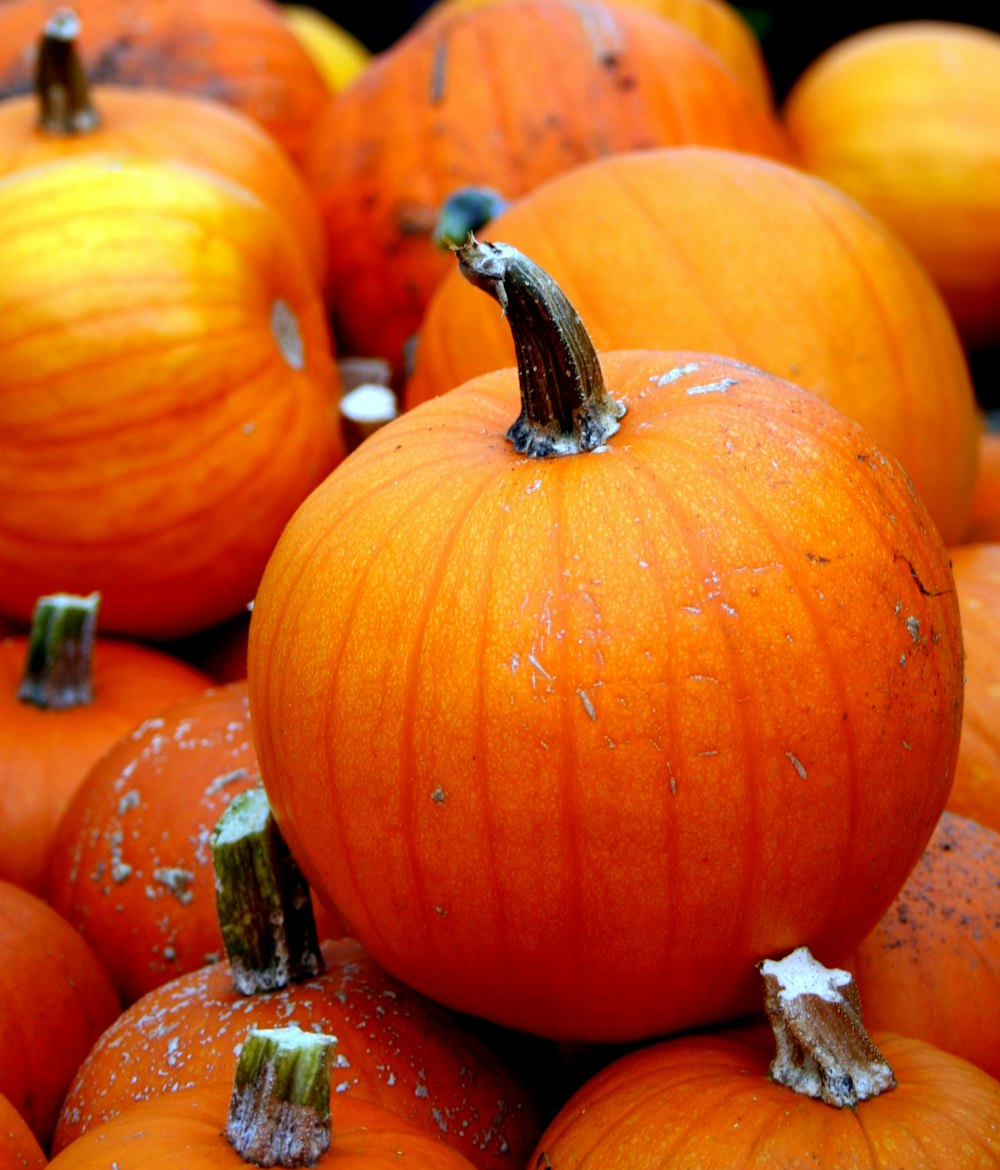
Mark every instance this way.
x=566 y=779
x=931 y=968
x=976 y=790
x=502 y=97
x=718 y=24
x=984 y=522
x=21 y=1148
x=706 y=1103
x=56 y=999
x=188 y=1129
x=213 y=416
x=160 y=124
x=903 y=117
x=129 y=865
x=240 y=53
x=396 y=1050
x=45 y=754
x=749 y=256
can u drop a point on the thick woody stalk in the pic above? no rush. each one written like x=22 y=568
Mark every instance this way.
x=565 y=405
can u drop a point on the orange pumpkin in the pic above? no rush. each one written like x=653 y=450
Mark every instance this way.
x=984 y=522
x=167 y=368
x=65 y=698
x=719 y=24
x=192 y=1129
x=21 y=1148
x=976 y=790
x=499 y=97
x=719 y=1100
x=753 y=259
x=931 y=968
x=55 y=1001
x=66 y=117
x=128 y=865
x=240 y=53
x=397 y=1050
x=903 y=116
x=554 y=732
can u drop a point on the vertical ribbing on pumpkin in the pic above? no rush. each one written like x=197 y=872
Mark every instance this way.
x=565 y=406
x=265 y=913
x=61 y=83
x=57 y=670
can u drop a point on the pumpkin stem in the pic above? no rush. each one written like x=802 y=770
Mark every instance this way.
x=279 y=1113
x=60 y=81
x=264 y=908
x=58 y=665
x=565 y=406
x=822 y=1048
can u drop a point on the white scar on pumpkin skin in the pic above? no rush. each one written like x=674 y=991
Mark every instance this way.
x=719 y=387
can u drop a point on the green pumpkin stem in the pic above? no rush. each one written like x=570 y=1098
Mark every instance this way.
x=565 y=405
x=279 y=1112
x=822 y=1048
x=60 y=80
x=262 y=899
x=58 y=665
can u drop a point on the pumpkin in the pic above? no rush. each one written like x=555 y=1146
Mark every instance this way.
x=65 y=117
x=984 y=522
x=935 y=953
x=750 y=1098
x=277 y=1109
x=55 y=1001
x=623 y=703
x=240 y=53
x=396 y=1049
x=66 y=695
x=128 y=865
x=500 y=97
x=336 y=53
x=903 y=117
x=182 y=390
x=720 y=25
x=21 y=1148
x=744 y=256
x=976 y=790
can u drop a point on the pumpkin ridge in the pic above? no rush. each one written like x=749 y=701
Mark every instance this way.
x=748 y=509
x=698 y=558
x=417 y=630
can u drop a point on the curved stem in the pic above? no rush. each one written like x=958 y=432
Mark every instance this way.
x=60 y=81
x=58 y=665
x=565 y=405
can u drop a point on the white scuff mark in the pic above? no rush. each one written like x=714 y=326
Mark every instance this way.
x=719 y=387
x=797 y=765
x=674 y=374
x=913 y=625
x=703 y=678
x=536 y=665
x=728 y=609
x=588 y=704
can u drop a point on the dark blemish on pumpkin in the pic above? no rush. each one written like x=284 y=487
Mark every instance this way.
x=816 y=558
x=414 y=219
x=439 y=796
x=916 y=577
x=903 y=913
x=439 y=69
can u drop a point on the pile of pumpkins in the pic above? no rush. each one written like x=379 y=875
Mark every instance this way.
x=527 y=487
